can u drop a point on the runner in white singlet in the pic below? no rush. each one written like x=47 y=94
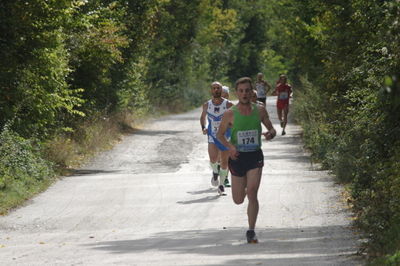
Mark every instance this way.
x=262 y=88
x=213 y=111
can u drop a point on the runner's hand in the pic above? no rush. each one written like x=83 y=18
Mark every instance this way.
x=233 y=153
x=268 y=135
x=205 y=131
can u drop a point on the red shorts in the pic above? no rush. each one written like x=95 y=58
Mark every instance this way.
x=282 y=104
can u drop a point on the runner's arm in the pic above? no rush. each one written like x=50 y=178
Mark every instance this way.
x=203 y=118
x=229 y=104
x=274 y=93
x=264 y=117
x=226 y=122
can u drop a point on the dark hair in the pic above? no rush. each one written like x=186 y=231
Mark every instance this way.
x=282 y=76
x=244 y=80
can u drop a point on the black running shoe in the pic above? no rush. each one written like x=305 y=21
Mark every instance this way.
x=251 y=237
x=283 y=132
x=214 y=180
x=226 y=183
x=221 y=190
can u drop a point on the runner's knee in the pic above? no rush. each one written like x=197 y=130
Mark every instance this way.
x=238 y=201
x=224 y=164
x=252 y=193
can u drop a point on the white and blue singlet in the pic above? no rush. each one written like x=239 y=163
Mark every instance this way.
x=214 y=117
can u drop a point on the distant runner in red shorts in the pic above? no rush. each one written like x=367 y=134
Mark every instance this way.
x=283 y=91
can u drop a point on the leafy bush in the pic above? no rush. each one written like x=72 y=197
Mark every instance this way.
x=350 y=104
x=22 y=169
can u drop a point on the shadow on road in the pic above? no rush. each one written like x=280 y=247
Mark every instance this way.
x=204 y=191
x=86 y=172
x=157 y=132
x=201 y=200
x=278 y=246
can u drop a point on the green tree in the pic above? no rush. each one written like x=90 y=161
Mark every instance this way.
x=95 y=41
x=34 y=66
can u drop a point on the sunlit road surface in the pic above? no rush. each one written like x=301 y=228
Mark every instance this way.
x=149 y=202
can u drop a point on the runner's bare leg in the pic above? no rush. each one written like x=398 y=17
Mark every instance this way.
x=253 y=183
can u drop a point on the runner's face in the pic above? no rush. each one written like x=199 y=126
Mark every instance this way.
x=216 y=91
x=244 y=93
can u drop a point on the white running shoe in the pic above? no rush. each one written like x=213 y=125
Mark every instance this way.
x=214 y=180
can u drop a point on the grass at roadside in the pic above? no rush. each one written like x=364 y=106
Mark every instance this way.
x=99 y=133
x=18 y=192
x=28 y=167
x=392 y=260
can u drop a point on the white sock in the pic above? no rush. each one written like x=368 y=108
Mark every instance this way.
x=223 y=174
x=214 y=167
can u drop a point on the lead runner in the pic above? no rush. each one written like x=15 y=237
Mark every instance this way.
x=246 y=159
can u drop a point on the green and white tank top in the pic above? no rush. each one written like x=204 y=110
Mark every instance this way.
x=246 y=130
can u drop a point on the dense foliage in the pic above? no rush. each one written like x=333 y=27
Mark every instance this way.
x=73 y=70
x=22 y=169
x=346 y=65
x=63 y=60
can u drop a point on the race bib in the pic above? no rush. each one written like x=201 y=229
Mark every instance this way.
x=283 y=95
x=214 y=127
x=248 y=140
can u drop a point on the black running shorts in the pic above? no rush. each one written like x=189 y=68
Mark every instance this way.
x=263 y=100
x=245 y=162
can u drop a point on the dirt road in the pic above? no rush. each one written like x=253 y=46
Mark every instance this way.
x=149 y=202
